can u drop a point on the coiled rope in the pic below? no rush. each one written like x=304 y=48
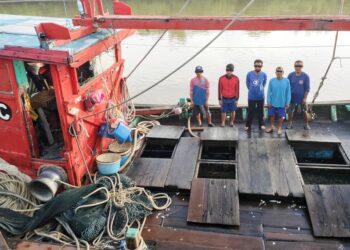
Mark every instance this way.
x=15 y=195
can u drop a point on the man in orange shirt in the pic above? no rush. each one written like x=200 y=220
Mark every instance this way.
x=228 y=94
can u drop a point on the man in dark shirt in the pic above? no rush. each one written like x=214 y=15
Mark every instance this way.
x=300 y=88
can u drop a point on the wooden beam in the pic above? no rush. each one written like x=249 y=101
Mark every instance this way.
x=341 y=23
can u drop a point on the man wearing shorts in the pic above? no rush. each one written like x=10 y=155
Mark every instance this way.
x=300 y=88
x=228 y=94
x=278 y=99
x=199 y=94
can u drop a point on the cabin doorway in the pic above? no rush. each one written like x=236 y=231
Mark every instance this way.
x=43 y=122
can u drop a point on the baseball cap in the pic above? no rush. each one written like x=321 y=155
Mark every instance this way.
x=198 y=69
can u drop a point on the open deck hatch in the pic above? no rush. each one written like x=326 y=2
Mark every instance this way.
x=220 y=151
x=311 y=153
x=217 y=170
x=159 y=148
x=324 y=176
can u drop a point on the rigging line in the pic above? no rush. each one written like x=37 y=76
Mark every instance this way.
x=234 y=19
x=332 y=59
x=65 y=12
x=155 y=44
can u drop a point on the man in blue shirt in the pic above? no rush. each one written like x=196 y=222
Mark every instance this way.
x=300 y=88
x=278 y=99
x=256 y=82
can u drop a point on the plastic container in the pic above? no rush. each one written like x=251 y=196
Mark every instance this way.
x=108 y=163
x=122 y=133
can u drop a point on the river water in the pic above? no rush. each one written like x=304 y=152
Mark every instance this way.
x=278 y=48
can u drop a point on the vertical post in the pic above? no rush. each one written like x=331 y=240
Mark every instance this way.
x=244 y=114
x=334 y=113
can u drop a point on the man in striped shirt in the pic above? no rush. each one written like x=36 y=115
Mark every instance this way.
x=199 y=94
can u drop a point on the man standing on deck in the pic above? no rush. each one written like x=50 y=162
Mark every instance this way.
x=300 y=88
x=228 y=94
x=278 y=99
x=256 y=82
x=199 y=94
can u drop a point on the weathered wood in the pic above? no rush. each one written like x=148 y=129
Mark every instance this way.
x=219 y=134
x=281 y=245
x=29 y=245
x=214 y=201
x=166 y=132
x=329 y=209
x=207 y=239
x=288 y=236
x=314 y=135
x=266 y=166
x=184 y=162
x=161 y=245
x=149 y=172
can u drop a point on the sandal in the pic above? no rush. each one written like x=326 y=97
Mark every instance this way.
x=279 y=132
x=269 y=130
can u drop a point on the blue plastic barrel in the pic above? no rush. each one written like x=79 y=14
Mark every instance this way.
x=108 y=163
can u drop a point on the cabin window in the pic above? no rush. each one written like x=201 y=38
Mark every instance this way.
x=99 y=64
x=5 y=82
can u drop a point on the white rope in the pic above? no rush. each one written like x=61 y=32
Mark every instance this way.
x=15 y=195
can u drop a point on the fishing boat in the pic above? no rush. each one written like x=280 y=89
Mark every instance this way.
x=64 y=103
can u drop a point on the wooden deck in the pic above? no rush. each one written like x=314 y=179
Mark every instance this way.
x=219 y=134
x=214 y=201
x=329 y=209
x=183 y=165
x=166 y=132
x=318 y=135
x=272 y=206
x=267 y=167
x=150 y=172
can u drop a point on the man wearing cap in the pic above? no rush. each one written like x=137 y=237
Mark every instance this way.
x=256 y=82
x=228 y=94
x=199 y=94
x=300 y=88
x=278 y=99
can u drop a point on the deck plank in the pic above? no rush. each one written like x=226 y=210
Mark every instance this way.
x=166 y=132
x=183 y=166
x=266 y=167
x=315 y=135
x=149 y=172
x=30 y=245
x=283 y=245
x=214 y=201
x=329 y=209
x=220 y=134
x=206 y=239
